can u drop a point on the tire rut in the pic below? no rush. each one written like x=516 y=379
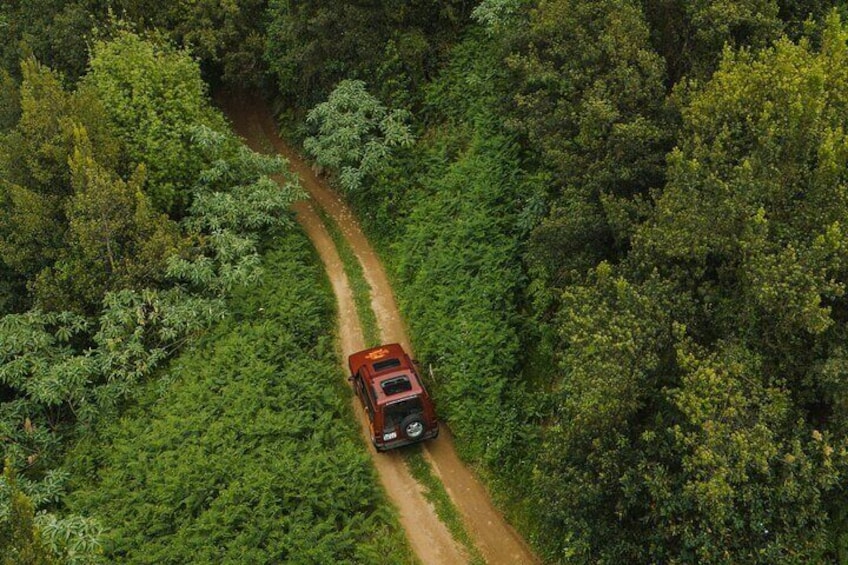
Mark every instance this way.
x=496 y=540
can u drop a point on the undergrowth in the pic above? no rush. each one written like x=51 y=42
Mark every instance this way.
x=250 y=452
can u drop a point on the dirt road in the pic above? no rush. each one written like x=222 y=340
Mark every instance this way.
x=495 y=539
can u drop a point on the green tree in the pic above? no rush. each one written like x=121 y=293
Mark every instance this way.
x=56 y=32
x=697 y=415
x=755 y=209
x=35 y=153
x=115 y=239
x=39 y=365
x=613 y=364
x=153 y=95
x=691 y=35
x=10 y=101
x=354 y=133
x=227 y=37
x=795 y=13
x=753 y=474
x=312 y=46
x=27 y=538
x=746 y=450
x=590 y=102
x=21 y=541
x=36 y=179
x=236 y=203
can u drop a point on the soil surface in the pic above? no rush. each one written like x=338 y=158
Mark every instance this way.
x=496 y=540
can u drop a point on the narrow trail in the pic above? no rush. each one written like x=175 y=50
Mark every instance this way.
x=496 y=540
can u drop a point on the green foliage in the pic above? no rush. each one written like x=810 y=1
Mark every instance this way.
x=247 y=450
x=312 y=46
x=228 y=37
x=36 y=152
x=54 y=31
x=35 y=348
x=75 y=539
x=691 y=35
x=138 y=331
x=21 y=541
x=76 y=224
x=612 y=366
x=236 y=203
x=31 y=227
x=797 y=14
x=27 y=538
x=355 y=133
x=115 y=239
x=729 y=452
x=10 y=101
x=450 y=214
x=589 y=99
x=756 y=204
x=753 y=472
x=79 y=226
x=457 y=261
x=36 y=178
x=497 y=16
x=153 y=95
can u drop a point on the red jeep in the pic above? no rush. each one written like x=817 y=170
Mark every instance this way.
x=397 y=404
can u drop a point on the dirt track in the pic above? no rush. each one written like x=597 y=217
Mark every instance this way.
x=429 y=538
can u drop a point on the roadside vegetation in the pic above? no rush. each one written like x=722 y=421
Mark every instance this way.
x=237 y=452
x=616 y=230
x=134 y=224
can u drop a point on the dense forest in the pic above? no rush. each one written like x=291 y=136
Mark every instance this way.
x=618 y=231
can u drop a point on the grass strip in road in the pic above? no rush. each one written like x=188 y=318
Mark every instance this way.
x=356 y=277
x=435 y=492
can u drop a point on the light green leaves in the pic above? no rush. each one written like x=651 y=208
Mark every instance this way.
x=236 y=202
x=354 y=133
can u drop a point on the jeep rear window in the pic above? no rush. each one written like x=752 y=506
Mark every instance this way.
x=386 y=364
x=396 y=385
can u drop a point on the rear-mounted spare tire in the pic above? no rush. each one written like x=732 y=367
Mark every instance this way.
x=413 y=426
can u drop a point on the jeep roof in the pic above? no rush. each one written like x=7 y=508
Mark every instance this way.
x=389 y=371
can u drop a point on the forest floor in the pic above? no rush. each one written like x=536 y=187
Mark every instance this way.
x=428 y=536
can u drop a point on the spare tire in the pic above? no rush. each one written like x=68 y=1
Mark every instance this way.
x=413 y=426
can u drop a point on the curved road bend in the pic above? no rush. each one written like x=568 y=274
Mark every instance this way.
x=497 y=541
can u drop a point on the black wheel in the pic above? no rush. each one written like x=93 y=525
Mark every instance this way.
x=413 y=426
